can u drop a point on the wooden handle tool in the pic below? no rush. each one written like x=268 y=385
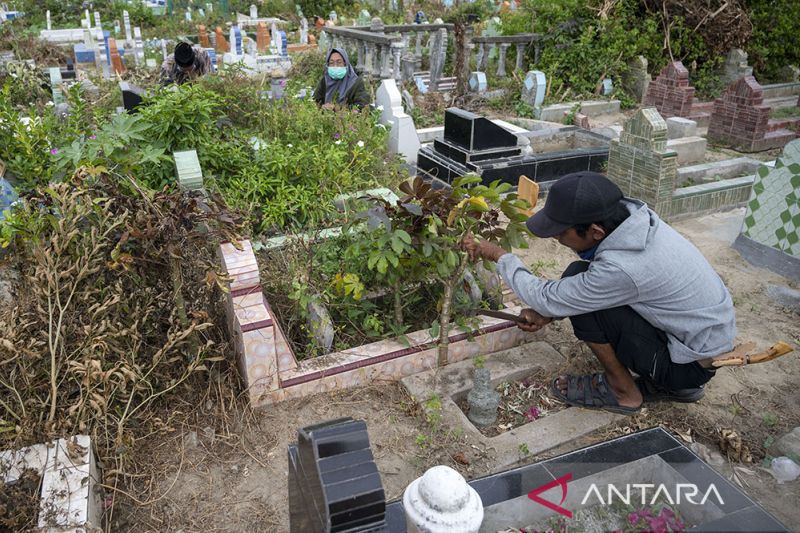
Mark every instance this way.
x=501 y=315
x=777 y=350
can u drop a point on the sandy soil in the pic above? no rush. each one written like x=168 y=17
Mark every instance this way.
x=229 y=473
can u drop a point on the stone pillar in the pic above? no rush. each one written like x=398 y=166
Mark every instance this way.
x=384 y=62
x=360 y=53
x=369 y=52
x=479 y=57
x=49 y=24
x=418 y=51
x=409 y=64
x=501 y=66
x=397 y=53
x=253 y=11
x=520 y=56
x=441 y=501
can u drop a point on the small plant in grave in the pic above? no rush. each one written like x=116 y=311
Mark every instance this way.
x=417 y=240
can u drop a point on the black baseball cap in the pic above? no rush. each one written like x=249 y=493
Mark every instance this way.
x=184 y=54
x=578 y=198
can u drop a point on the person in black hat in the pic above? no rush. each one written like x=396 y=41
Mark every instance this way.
x=642 y=297
x=187 y=64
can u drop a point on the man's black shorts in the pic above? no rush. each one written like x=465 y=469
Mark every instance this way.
x=639 y=346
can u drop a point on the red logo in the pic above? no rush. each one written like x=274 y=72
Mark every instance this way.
x=562 y=482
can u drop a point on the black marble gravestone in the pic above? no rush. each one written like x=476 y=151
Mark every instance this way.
x=132 y=96
x=334 y=484
x=69 y=72
x=474 y=144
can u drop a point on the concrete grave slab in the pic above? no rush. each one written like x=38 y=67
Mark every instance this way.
x=454 y=382
x=689 y=149
x=678 y=127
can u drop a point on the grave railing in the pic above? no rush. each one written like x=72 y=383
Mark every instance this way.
x=378 y=55
x=483 y=47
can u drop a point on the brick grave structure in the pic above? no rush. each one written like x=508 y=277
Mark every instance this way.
x=640 y=163
x=672 y=95
x=644 y=167
x=741 y=121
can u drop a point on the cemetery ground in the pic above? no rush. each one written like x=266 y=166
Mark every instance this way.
x=224 y=456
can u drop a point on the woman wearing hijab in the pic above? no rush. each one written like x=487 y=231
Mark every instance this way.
x=340 y=85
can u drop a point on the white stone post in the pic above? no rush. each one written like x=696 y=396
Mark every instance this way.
x=520 y=56
x=441 y=501
x=501 y=67
x=164 y=48
x=304 y=31
x=49 y=24
x=253 y=11
x=479 y=56
x=126 y=21
x=138 y=55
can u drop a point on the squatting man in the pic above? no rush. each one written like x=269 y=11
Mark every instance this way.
x=642 y=297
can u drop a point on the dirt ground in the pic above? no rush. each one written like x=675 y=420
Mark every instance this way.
x=229 y=472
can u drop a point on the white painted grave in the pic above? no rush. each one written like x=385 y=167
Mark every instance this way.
x=403 y=138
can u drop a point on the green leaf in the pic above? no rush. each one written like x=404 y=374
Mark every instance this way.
x=373 y=259
x=434 y=331
x=397 y=245
x=403 y=236
x=427 y=249
x=392 y=259
x=469 y=179
x=383 y=264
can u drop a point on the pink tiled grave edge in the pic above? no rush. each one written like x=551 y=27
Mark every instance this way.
x=270 y=370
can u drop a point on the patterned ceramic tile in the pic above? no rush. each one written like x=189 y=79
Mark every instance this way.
x=773 y=212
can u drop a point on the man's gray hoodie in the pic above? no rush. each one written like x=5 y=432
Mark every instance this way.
x=645 y=264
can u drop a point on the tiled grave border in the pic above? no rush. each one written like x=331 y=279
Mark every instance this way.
x=68 y=498
x=271 y=372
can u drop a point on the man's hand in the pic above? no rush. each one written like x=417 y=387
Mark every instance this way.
x=477 y=250
x=533 y=321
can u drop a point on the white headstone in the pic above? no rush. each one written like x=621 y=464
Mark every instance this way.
x=403 y=138
x=304 y=31
x=126 y=20
x=49 y=24
x=253 y=11
x=188 y=15
x=138 y=45
x=164 y=48
x=332 y=16
x=116 y=27
x=201 y=12
x=88 y=19
x=534 y=87
x=210 y=7
x=97 y=20
x=442 y=501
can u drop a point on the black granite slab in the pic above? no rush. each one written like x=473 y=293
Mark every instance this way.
x=475 y=132
x=334 y=484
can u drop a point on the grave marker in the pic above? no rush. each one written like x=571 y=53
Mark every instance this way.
x=534 y=87
x=477 y=82
x=139 y=46
x=640 y=163
x=403 y=138
x=221 y=45
x=735 y=66
x=304 y=31
x=55 y=85
x=236 y=40
x=253 y=11
x=202 y=36
x=262 y=38
x=126 y=20
x=49 y=24
x=741 y=120
x=771 y=229
x=116 y=60
x=637 y=80
x=670 y=92
x=190 y=175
